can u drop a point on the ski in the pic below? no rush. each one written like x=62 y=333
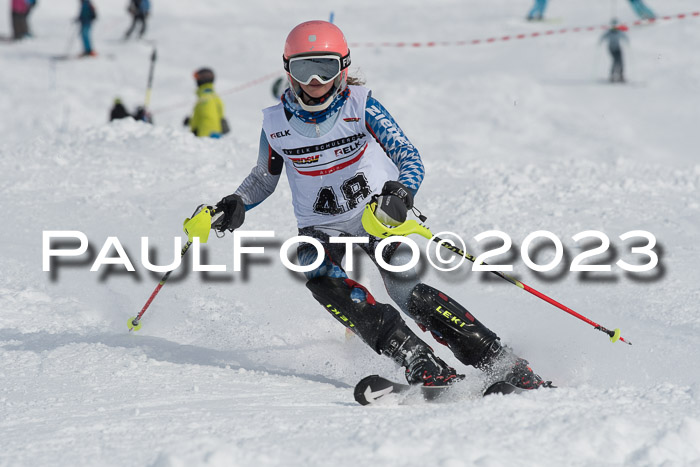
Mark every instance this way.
x=545 y=20
x=503 y=387
x=374 y=388
x=61 y=58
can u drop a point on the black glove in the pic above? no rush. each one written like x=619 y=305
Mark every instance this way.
x=186 y=121
x=233 y=209
x=393 y=203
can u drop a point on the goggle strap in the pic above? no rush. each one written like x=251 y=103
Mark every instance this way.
x=345 y=61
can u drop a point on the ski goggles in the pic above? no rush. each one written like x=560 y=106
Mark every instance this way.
x=324 y=68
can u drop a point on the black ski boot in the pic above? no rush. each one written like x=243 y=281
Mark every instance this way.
x=423 y=367
x=427 y=369
x=522 y=376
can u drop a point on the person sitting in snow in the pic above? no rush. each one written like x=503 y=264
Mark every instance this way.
x=143 y=115
x=118 y=110
x=341 y=148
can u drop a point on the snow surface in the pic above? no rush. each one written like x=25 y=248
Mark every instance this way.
x=247 y=369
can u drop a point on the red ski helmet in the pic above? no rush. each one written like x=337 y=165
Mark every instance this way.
x=316 y=49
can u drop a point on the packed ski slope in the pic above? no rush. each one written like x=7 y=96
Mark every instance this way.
x=245 y=368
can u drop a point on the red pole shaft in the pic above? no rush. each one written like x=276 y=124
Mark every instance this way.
x=150 y=299
x=565 y=308
x=534 y=292
x=136 y=320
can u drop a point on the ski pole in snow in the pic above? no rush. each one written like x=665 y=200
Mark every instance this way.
x=147 y=102
x=69 y=45
x=198 y=226
x=374 y=227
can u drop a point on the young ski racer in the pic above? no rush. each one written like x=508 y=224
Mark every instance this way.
x=339 y=147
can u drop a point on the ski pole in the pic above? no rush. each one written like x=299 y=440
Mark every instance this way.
x=149 y=86
x=198 y=226
x=374 y=227
x=71 y=39
x=134 y=323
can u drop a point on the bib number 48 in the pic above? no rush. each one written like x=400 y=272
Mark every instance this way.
x=352 y=192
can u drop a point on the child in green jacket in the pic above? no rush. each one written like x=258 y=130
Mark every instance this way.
x=208 y=116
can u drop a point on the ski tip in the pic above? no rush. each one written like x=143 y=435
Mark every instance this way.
x=372 y=388
x=502 y=387
x=361 y=386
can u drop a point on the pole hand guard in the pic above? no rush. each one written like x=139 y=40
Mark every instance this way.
x=200 y=223
x=375 y=227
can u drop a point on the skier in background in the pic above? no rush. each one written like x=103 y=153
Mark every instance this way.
x=31 y=4
x=614 y=36
x=340 y=147
x=208 y=115
x=643 y=11
x=139 y=10
x=537 y=11
x=19 y=10
x=86 y=16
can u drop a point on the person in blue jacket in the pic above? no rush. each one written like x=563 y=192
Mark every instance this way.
x=642 y=10
x=614 y=36
x=139 y=10
x=30 y=4
x=86 y=16
x=537 y=11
